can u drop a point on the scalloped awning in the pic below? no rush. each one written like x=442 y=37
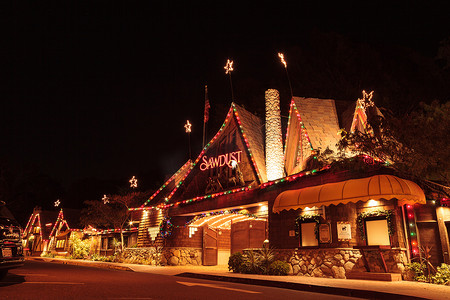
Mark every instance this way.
x=376 y=187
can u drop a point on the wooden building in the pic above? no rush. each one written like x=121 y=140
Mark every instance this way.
x=240 y=192
x=49 y=231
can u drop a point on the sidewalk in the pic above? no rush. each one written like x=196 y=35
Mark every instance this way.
x=345 y=287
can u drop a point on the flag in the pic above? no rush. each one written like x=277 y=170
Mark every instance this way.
x=207 y=106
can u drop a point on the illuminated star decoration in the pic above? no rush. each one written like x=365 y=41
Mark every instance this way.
x=133 y=182
x=366 y=100
x=228 y=67
x=57 y=203
x=188 y=126
x=281 y=56
x=105 y=199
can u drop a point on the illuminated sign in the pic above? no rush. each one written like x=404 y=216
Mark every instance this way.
x=220 y=161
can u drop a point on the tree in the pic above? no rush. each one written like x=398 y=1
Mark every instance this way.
x=112 y=211
x=415 y=144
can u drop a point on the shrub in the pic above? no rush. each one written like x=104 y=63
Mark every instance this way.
x=79 y=249
x=257 y=262
x=235 y=262
x=279 y=267
x=266 y=258
x=252 y=263
x=48 y=254
x=442 y=275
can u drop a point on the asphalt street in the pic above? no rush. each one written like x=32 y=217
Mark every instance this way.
x=41 y=280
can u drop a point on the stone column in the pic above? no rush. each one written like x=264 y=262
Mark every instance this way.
x=274 y=141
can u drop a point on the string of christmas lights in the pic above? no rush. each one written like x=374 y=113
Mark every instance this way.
x=167 y=182
x=412 y=229
x=231 y=112
x=262 y=186
x=58 y=219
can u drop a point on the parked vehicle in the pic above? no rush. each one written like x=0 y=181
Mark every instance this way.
x=11 y=250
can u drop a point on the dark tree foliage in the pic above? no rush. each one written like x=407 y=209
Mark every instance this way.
x=415 y=144
x=113 y=213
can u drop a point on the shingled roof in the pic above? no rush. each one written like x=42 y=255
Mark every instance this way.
x=45 y=217
x=254 y=132
x=321 y=121
x=167 y=188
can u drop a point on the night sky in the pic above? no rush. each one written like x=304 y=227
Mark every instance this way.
x=102 y=91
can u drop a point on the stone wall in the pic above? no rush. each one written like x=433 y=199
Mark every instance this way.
x=336 y=263
x=147 y=256
x=182 y=256
x=168 y=256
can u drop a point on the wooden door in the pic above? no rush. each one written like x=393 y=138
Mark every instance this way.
x=247 y=234
x=209 y=246
x=429 y=237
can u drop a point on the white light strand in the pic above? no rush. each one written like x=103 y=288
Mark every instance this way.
x=281 y=56
x=229 y=67
x=133 y=182
x=188 y=127
x=366 y=100
x=274 y=143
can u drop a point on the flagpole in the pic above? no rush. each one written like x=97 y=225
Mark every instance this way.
x=204 y=117
x=281 y=56
x=188 y=126
x=228 y=69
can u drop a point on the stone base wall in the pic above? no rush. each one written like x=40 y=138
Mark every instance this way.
x=336 y=263
x=169 y=256
x=147 y=256
x=182 y=256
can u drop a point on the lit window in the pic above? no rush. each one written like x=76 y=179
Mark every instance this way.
x=377 y=232
x=308 y=234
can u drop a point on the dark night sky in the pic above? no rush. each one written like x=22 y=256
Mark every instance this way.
x=103 y=91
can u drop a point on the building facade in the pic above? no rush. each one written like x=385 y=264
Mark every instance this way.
x=246 y=188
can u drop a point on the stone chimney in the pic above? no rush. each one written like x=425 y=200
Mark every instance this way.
x=274 y=141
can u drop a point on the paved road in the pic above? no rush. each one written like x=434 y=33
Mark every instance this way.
x=41 y=280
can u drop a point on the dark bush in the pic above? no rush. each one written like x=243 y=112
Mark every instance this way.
x=235 y=262
x=279 y=267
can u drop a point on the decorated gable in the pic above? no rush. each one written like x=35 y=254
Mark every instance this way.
x=313 y=126
x=365 y=110
x=228 y=161
x=162 y=194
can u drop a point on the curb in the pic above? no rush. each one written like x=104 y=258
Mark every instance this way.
x=366 y=294
x=103 y=265
x=357 y=293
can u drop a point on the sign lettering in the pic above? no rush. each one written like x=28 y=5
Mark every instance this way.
x=220 y=161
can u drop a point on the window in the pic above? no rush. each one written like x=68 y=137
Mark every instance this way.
x=60 y=243
x=377 y=232
x=308 y=234
x=104 y=243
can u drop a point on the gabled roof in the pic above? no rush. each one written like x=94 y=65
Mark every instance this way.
x=365 y=108
x=313 y=124
x=253 y=131
x=72 y=217
x=170 y=185
x=320 y=120
x=250 y=131
x=41 y=218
